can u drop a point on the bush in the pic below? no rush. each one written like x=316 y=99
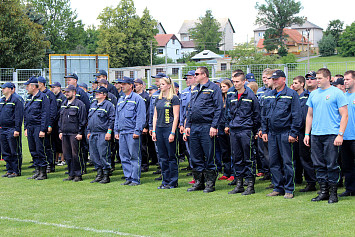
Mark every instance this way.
x=347 y=41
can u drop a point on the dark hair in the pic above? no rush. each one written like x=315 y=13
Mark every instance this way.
x=325 y=72
x=351 y=72
x=240 y=74
x=204 y=70
x=339 y=75
x=300 y=79
x=238 y=71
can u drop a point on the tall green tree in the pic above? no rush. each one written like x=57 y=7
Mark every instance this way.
x=335 y=28
x=206 y=34
x=90 y=40
x=327 y=45
x=22 y=42
x=60 y=24
x=277 y=15
x=125 y=36
x=347 y=41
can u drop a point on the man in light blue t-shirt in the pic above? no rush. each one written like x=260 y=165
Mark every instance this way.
x=327 y=116
x=348 y=148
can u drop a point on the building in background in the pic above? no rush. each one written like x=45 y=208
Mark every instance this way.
x=168 y=46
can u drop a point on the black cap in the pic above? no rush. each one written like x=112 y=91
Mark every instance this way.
x=72 y=75
x=70 y=88
x=152 y=87
x=277 y=74
x=102 y=90
x=311 y=74
x=55 y=84
x=100 y=72
x=339 y=81
x=31 y=80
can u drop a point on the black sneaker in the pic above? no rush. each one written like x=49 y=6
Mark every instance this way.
x=159 y=178
x=70 y=178
x=126 y=183
x=77 y=179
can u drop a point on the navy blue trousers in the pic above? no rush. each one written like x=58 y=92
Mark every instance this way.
x=36 y=146
x=306 y=161
x=202 y=148
x=100 y=151
x=71 y=148
x=243 y=156
x=348 y=155
x=281 y=162
x=167 y=157
x=225 y=146
x=49 y=143
x=325 y=158
x=11 y=148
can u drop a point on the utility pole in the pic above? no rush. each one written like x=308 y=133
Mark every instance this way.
x=151 y=63
x=308 y=30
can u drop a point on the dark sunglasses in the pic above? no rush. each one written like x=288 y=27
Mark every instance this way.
x=196 y=74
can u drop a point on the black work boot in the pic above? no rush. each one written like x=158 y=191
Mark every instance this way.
x=199 y=182
x=266 y=177
x=210 y=176
x=323 y=193
x=42 y=173
x=239 y=188
x=333 y=197
x=106 y=178
x=36 y=174
x=99 y=176
x=250 y=189
x=309 y=187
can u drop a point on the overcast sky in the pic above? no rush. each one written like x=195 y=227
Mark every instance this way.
x=242 y=13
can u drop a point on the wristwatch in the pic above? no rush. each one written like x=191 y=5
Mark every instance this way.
x=340 y=133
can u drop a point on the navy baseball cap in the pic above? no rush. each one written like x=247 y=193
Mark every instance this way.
x=176 y=85
x=139 y=81
x=102 y=90
x=311 y=74
x=56 y=84
x=125 y=80
x=94 y=81
x=339 y=81
x=31 y=80
x=159 y=75
x=83 y=85
x=7 y=85
x=42 y=80
x=250 y=77
x=152 y=87
x=219 y=80
x=70 y=88
x=190 y=73
x=277 y=74
x=100 y=72
x=72 y=75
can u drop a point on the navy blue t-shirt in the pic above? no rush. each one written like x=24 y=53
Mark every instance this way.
x=165 y=112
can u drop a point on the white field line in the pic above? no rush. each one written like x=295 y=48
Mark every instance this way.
x=69 y=226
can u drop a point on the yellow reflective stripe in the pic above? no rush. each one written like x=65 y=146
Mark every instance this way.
x=103 y=110
x=131 y=101
x=269 y=97
x=38 y=100
x=303 y=97
x=78 y=95
x=234 y=100
x=286 y=97
x=247 y=100
x=194 y=91
x=231 y=92
x=64 y=106
x=210 y=90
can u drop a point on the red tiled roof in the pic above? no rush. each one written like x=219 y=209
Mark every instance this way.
x=163 y=39
x=293 y=36
x=187 y=44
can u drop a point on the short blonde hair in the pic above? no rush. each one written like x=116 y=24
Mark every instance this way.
x=253 y=86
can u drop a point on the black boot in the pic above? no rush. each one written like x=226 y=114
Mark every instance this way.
x=239 y=188
x=199 y=182
x=309 y=187
x=210 y=176
x=266 y=177
x=250 y=188
x=333 y=197
x=106 y=178
x=99 y=176
x=36 y=174
x=42 y=173
x=324 y=193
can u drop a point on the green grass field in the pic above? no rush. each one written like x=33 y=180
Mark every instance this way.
x=55 y=208
x=334 y=58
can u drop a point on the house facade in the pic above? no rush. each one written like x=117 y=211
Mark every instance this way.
x=226 y=28
x=168 y=46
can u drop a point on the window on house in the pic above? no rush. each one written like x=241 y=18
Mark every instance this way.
x=159 y=70
x=177 y=52
x=131 y=74
x=160 y=51
x=118 y=74
x=173 y=41
x=146 y=73
x=223 y=66
x=175 y=71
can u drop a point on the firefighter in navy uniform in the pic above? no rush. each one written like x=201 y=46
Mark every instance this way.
x=49 y=139
x=100 y=125
x=72 y=122
x=36 y=120
x=11 y=117
x=202 y=120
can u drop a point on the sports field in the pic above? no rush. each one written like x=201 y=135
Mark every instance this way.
x=55 y=208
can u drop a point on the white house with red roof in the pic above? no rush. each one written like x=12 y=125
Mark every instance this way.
x=168 y=45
